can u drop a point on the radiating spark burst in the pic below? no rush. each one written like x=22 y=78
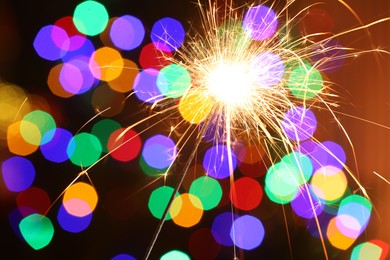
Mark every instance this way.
x=242 y=95
x=238 y=101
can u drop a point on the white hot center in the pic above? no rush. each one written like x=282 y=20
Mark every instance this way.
x=230 y=84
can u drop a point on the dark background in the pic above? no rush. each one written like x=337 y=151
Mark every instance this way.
x=364 y=83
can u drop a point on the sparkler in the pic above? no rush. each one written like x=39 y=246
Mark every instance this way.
x=248 y=83
x=255 y=84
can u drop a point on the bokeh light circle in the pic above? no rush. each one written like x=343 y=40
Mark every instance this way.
x=127 y=32
x=80 y=199
x=18 y=173
x=247 y=232
x=90 y=17
x=216 y=162
x=159 y=151
x=175 y=255
x=186 y=210
x=246 y=193
x=305 y=82
x=55 y=150
x=158 y=201
x=124 y=144
x=194 y=106
x=268 y=69
x=84 y=149
x=51 y=42
x=329 y=183
x=35 y=127
x=299 y=123
x=145 y=86
x=208 y=190
x=71 y=223
x=260 y=22
x=167 y=34
x=173 y=81
x=37 y=230
x=221 y=228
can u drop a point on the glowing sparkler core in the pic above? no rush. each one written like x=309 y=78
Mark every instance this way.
x=230 y=83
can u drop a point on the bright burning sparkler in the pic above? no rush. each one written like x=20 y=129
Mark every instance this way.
x=257 y=84
x=243 y=81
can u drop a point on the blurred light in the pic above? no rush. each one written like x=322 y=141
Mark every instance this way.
x=336 y=237
x=329 y=56
x=35 y=127
x=246 y=193
x=173 y=81
x=305 y=82
x=268 y=69
x=299 y=123
x=167 y=34
x=54 y=82
x=145 y=87
x=84 y=149
x=123 y=257
x=33 y=200
x=175 y=255
x=75 y=76
x=158 y=201
x=18 y=173
x=307 y=204
x=71 y=223
x=214 y=127
x=149 y=170
x=80 y=199
x=353 y=215
x=194 y=106
x=323 y=221
x=260 y=22
x=127 y=32
x=90 y=18
x=202 y=245
x=55 y=150
x=216 y=162
x=124 y=144
x=159 y=151
x=37 y=230
x=16 y=142
x=13 y=106
x=282 y=182
x=51 y=42
x=76 y=40
x=154 y=58
x=301 y=163
x=106 y=64
x=104 y=97
x=221 y=227
x=329 y=184
x=208 y=190
x=186 y=210
x=374 y=249
x=103 y=130
x=126 y=79
x=14 y=218
x=86 y=50
x=328 y=153
x=247 y=232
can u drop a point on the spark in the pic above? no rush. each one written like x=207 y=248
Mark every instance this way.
x=381 y=176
